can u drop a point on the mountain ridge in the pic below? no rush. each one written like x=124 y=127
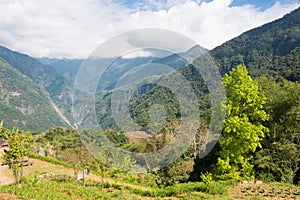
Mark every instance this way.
x=264 y=49
x=272 y=49
x=23 y=103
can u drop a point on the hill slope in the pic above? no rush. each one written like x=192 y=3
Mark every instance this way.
x=23 y=103
x=273 y=48
x=55 y=87
x=31 y=67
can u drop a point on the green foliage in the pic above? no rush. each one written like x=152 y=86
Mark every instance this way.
x=177 y=172
x=47 y=78
x=125 y=165
x=243 y=130
x=66 y=188
x=66 y=148
x=117 y=138
x=23 y=103
x=19 y=143
x=277 y=191
x=60 y=138
x=279 y=159
x=49 y=159
x=60 y=188
x=206 y=177
x=272 y=49
x=145 y=97
x=214 y=188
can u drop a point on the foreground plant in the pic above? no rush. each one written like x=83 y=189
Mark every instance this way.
x=243 y=130
x=19 y=143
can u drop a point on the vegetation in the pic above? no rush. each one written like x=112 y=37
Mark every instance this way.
x=63 y=187
x=272 y=49
x=279 y=160
x=243 y=131
x=290 y=192
x=49 y=84
x=22 y=102
x=19 y=143
x=260 y=139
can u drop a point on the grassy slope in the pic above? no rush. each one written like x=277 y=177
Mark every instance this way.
x=110 y=188
x=96 y=188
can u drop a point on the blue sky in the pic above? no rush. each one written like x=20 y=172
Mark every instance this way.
x=261 y=4
x=74 y=28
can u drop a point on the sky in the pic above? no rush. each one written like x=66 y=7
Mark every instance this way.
x=74 y=28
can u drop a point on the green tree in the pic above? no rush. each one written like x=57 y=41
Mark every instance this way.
x=279 y=159
x=78 y=157
x=243 y=130
x=19 y=143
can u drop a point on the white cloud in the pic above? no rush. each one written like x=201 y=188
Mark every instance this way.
x=74 y=28
x=135 y=54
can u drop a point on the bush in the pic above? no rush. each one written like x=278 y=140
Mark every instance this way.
x=50 y=159
x=206 y=177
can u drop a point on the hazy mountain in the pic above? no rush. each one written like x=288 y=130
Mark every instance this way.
x=272 y=49
x=66 y=67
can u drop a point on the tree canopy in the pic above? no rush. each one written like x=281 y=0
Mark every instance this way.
x=243 y=130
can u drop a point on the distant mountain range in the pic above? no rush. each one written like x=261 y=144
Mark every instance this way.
x=36 y=93
x=66 y=67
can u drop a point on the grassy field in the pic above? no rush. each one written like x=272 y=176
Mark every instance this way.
x=67 y=188
x=64 y=186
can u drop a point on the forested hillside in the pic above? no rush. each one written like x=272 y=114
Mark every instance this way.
x=272 y=49
x=271 y=55
x=53 y=85
x=23 y=103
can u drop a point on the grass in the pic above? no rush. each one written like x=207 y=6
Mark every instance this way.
x=214 y=188
x=66 y=188
x=50 y=160
x=59 y=188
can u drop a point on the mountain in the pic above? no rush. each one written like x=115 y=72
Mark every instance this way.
x=43 y=75
x=23 y=103
x=272 y=49
x=65 y=67
x=57 y=87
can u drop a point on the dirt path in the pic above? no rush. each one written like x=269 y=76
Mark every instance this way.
x=9 y=197
x=6 y=176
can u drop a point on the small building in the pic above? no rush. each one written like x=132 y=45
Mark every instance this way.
x=4 y=143
x=39 y=150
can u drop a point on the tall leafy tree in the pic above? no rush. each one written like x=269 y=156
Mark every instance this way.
x=243 y=130
x=19 y=143
x=279 y=159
